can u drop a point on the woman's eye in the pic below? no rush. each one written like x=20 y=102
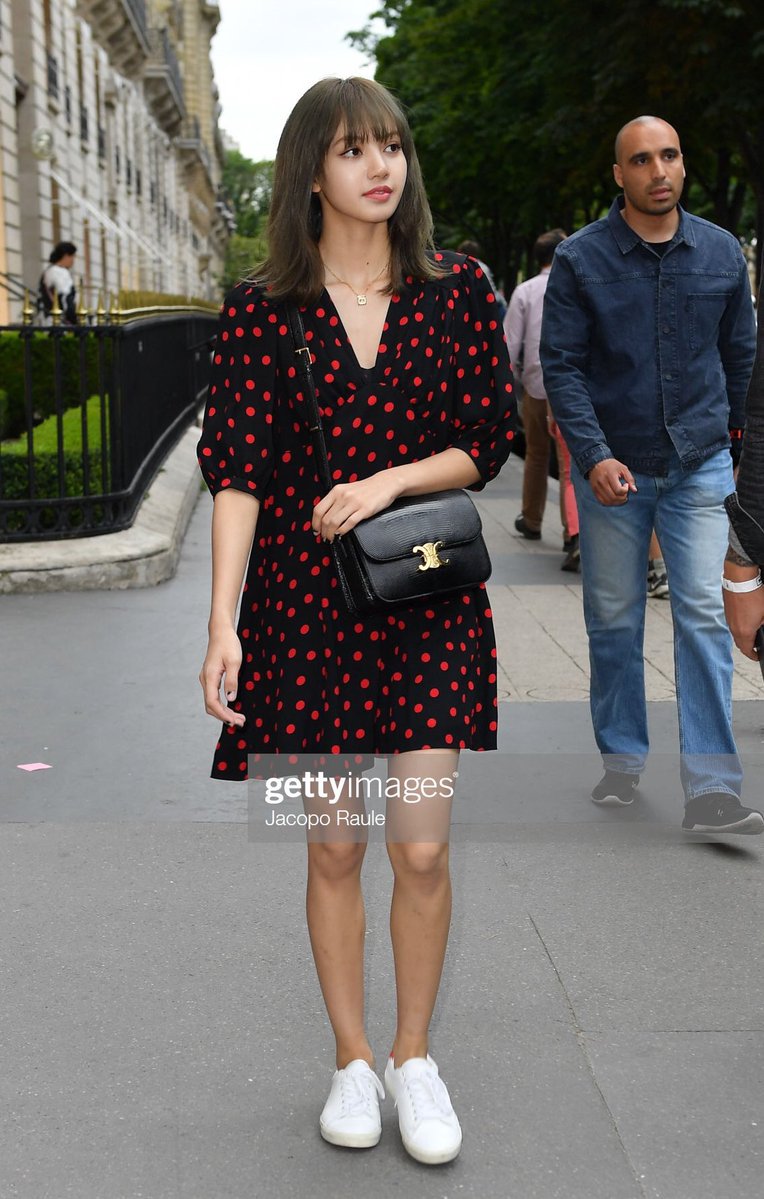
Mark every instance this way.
x=393 y=147
x=351 y=152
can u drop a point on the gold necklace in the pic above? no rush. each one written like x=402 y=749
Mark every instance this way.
x=361 y=298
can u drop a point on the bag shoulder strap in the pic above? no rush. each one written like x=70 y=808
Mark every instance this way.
x=304 y=375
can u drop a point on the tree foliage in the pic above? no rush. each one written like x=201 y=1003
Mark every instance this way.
x=248 y=186
x=515 y=107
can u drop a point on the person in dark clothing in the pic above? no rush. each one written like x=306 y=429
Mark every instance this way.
x=414 y=382
x=647 y=346
x=743 y=590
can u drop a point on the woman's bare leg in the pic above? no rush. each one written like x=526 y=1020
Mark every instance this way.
x=420 y=915
x=337 y=928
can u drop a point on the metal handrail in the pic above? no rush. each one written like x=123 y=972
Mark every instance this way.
x=13 y=285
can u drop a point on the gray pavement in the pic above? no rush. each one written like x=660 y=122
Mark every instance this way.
x=163 y=1034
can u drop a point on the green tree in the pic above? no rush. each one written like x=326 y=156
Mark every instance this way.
x=515 y=106
x=249 y=186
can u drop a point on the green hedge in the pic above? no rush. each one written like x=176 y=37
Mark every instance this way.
x=14 y=478
x=13 y=421
x=15 y=485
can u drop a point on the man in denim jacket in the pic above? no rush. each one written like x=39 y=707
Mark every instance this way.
x=647 y=346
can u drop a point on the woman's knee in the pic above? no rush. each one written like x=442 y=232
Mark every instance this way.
x=335 y=861
x=419 y=861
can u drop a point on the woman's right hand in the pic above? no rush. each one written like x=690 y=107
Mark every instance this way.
x=223 y=659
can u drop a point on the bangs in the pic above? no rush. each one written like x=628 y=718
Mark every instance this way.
x=365 y=111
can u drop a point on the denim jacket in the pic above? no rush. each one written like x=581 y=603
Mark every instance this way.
x=647 y=356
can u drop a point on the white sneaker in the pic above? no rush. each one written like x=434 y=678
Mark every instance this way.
x=351 y=1113
x=429 y=1128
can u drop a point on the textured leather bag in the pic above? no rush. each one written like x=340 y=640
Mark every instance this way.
x=419 y=548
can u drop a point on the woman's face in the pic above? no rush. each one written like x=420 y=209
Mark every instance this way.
x=362 y=182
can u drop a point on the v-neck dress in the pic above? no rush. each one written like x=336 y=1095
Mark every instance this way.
x=315 y=679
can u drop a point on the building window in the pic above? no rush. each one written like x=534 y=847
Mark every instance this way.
x=68 y=104
x=84 y=123
x=129 y=173
x=52 y=77
x=138 y=182
x=101 y=143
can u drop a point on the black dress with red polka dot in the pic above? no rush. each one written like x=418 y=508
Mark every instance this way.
x=315 y=679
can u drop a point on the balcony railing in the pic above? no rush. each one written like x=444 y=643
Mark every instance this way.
x=193 y=146
x=138 y=12
x=164 y=82
x=121 y=27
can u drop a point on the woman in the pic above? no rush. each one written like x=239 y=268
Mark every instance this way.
x=413 y=382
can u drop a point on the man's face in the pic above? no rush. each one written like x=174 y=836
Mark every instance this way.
x=650 y=168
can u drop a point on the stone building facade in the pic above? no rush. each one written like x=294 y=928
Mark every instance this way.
x=109 y=138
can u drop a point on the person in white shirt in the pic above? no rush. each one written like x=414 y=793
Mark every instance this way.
x=522 y=326
x=57 y=281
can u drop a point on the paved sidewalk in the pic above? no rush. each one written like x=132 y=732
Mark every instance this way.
x=600 y=1020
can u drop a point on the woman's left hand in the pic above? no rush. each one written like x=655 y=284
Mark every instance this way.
x=347 y=503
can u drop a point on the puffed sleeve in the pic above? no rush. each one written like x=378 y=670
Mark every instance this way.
x=484 y=411
x=236 y=445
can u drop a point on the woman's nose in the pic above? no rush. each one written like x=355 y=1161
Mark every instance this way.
x=376 y=162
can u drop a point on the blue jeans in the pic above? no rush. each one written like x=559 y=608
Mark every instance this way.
x=686 y=510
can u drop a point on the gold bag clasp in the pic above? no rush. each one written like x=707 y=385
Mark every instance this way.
x=431 y=559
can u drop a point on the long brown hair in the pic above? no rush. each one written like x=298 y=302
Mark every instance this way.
x=363 y=109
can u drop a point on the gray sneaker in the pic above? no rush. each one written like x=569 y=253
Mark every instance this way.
x=616 y=789
x=720 y=812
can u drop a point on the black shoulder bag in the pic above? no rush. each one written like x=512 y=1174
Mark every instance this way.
x=419 y=548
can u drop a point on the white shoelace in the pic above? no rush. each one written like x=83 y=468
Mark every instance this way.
x=358 y=1093
x=429 y=1096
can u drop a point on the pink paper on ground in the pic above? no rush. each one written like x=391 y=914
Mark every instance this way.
x=34 y=766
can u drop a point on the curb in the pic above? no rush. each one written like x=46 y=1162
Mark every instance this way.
x=145 y=554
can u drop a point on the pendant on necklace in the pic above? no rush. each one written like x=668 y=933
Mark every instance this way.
x=361 y=301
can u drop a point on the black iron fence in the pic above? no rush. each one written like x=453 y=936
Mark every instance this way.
x=88 y=412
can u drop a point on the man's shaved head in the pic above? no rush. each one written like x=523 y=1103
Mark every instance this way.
x=645 y=120
x=650 y=169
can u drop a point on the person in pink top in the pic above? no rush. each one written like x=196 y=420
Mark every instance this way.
x=522 y=325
